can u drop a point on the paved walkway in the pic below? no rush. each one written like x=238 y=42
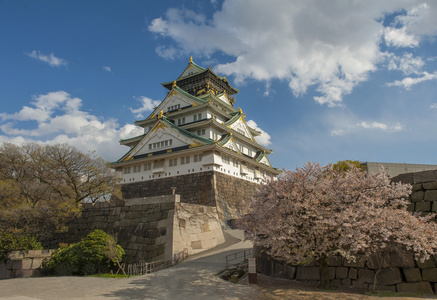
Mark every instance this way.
x=193 y=279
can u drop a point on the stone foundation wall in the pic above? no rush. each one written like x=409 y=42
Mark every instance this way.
x=208 y=188
x=196 y=188
x=146 y=227
x=230 y=193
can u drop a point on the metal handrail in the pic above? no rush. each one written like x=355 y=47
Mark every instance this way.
x=238 y=255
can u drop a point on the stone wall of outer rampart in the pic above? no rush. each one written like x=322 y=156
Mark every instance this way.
x=424 y=195
x=142 y=226
x=395 y=271
x=146 y=227
x=196 y=188
x=22 y=264
x=399 y=272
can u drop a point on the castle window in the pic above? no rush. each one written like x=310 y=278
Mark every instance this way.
x=173 y=107
x=160 y=144
x=197 y=117
x=147 y=167
x=181 y=121
x=197 y=157
x=185 y=160
x=201 y=132
x=173 y=162
x=126 y=170
x=225 y=159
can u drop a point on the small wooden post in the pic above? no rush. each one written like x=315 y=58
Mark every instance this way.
x=252 y=270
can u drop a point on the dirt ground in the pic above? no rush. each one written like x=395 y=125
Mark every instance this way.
x=276 y=288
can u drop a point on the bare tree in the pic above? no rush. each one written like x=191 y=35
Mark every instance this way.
x=41 y=186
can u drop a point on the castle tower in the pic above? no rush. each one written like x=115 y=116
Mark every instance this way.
x=197 y=143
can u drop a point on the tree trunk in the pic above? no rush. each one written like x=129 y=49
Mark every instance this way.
x=324 y=283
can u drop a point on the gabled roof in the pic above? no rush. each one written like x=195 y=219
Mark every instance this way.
x=234 y=119
x=175 y=90
x=163 y=122
x=195 y=70
x=191 y=69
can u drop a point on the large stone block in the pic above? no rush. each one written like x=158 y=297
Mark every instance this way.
x=366 y=276
x=417 y=196
x=336 y=283
x=291 y=272
x=431 y=195
x=359 y=284
x=385 y=288
x=425 y=176
x=429 y=274
x=307 y=273
x=422 y=287
x=331 y=273
x=430 y=185
x=341 y=272
x=346 y=282
x=412 y=275
x=353 y=273
x=404 y=178
x=434 y=206
x=389 y=276
x=417 y=187
x=423 y=206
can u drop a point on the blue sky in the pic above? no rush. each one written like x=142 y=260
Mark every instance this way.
x=324 y=80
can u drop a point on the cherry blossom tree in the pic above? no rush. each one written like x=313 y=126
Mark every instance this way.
x=316 y=212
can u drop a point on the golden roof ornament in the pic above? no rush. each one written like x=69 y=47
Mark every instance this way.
x=174 y=84
x=161 y=114
x=191 y=59
x=239 y=109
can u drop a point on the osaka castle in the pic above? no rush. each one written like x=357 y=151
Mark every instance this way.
x=197 y=144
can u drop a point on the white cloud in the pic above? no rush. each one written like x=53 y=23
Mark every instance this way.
x=51 y=59
x=407 y=64
x=408 y=82
x=381 y=126
x=331 y=46
x=264 y=138
x=166 y=52
x=398 y=37
x=147 y=105
x=107 y=68
x=347 y=123
x=433 y=106
x=58 y=119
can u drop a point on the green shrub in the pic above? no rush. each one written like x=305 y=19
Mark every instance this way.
x=14 y=242
x=96 y=253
